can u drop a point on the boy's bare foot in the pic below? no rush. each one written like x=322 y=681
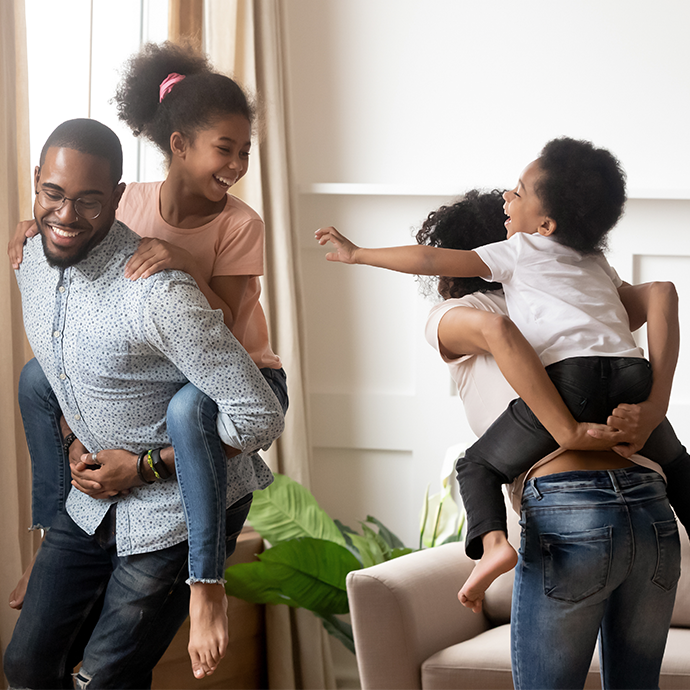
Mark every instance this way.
x=499 y=557
x=18 y=593
x=208 y=627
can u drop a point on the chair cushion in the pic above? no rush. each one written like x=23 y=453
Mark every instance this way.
x=480 y=662
x=484 y=662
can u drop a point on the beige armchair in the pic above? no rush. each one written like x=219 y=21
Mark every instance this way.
x=411 y=632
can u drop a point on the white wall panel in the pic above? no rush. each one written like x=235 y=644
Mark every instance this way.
x=466 y=93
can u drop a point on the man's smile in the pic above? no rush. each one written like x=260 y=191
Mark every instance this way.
x=62 y=232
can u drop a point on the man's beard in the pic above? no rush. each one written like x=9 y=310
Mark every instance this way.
x=63 y=261
x=66 y=260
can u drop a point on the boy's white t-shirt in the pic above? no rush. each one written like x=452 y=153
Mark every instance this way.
x=484 y=392
x=565 y=303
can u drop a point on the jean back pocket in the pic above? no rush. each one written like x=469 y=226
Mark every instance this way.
x=576 y=565
x=667 y=569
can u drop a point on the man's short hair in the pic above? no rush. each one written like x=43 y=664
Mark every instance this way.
x=88 y=136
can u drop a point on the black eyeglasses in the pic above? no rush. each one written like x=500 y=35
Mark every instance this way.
x=52 y=200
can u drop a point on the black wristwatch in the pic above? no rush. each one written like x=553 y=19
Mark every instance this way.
x=67 y=442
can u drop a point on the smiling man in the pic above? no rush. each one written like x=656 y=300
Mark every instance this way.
x=108 y=584
x=71 y=226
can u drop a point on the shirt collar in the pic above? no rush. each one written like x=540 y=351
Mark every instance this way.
x=98 y=259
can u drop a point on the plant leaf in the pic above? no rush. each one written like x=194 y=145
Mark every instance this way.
x=340 y=630
x=286 y=510
x=345 y=531
x=442 y=516
x=391 y=539
x=424 y=516
x=396 y=553
x=373 y=537
x=370 y=552
x=302 y=572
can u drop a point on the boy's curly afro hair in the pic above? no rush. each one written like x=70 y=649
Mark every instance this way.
x=583 y=189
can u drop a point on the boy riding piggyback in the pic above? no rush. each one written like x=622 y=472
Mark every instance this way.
x=564 y=298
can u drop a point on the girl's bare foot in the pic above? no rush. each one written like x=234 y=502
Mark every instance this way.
x=18 y=593
x=208 y=627
x=499 y=557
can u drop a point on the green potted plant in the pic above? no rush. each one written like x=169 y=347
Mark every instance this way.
x=310 y=554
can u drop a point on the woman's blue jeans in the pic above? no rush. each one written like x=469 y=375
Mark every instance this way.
x=591 y=387
x=599 y=557
x=200 y=463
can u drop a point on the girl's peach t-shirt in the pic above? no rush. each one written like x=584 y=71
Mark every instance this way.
x=232 y=244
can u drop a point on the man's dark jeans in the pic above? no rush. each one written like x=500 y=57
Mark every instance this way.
x=144 y=601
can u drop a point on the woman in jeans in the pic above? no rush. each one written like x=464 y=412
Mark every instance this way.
x=599 y=554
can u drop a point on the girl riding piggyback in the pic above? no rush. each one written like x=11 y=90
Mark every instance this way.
x=202 y=123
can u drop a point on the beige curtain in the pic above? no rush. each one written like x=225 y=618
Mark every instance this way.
x=244 y=39
x=185 y=19
x=16 y=543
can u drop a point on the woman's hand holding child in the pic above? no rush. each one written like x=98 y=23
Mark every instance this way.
x=635 y=424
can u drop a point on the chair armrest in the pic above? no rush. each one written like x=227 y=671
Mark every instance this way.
x=405 y=610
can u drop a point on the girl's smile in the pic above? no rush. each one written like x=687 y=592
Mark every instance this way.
x=216 y=159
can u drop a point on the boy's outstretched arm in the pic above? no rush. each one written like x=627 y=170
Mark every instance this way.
x=415 y=259
x=464 y=331
x=657 y=304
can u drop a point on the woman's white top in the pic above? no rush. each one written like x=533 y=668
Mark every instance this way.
x=481 y=386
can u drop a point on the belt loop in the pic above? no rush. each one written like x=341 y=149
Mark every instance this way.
x=535 y=490
x=614 y=481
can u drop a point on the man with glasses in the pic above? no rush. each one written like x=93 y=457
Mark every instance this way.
x=108 y=584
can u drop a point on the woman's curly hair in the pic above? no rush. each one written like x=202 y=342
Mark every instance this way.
x=191 y=105
x=583 y=189
x=473 y=221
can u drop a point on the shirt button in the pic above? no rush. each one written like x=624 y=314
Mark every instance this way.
x=77 y=417
x=61 y=288
x=56 y=334
x=62 y=377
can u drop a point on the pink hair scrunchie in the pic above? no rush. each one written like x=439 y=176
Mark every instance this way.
x=167 y=84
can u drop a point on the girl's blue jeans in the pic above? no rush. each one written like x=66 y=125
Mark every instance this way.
x=200 y=463
x=591 y=388
x=599 y=558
